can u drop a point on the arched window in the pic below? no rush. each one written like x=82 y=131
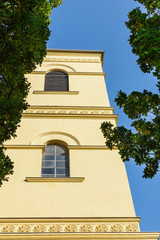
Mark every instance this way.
x=55 y=161
x=56 y=81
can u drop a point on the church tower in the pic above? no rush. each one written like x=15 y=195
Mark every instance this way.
x=67 y=184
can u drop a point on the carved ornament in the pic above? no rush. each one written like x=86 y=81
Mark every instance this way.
x=70 y=226
x=75 y=59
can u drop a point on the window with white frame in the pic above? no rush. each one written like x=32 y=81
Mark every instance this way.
x=55 y=161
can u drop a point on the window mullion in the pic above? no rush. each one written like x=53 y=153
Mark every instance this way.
x=55 y=161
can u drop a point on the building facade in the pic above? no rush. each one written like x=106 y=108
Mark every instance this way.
x=67 y=184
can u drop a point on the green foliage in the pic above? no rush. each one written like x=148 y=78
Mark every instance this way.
x=145 y=36
x=143 y=108
x=144 y=145
x=151 y=6
x=23 y=36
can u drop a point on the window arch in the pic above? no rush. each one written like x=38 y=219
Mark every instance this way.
x=55 y=161
x=56 y=81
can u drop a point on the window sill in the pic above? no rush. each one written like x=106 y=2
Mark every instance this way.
x=56 y=92
x=65 y=179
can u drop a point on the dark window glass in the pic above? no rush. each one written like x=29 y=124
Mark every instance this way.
x=55 y=161
x=48 y=163
x=48 y=157
x=48 y=170
x=56 y=81
x=61 y=164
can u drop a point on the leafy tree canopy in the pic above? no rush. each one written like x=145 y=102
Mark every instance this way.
x=23 y=36
x=143 y=108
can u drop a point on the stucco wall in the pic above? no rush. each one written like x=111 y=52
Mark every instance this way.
x=105 y=190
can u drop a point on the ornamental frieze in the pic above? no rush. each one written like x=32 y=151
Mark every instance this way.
x=101 y=228
x=70 y=228
x=39 y=228
x=24 y=228
x=93 y=60
x=64 y=111
x=116 y=228
x=8 y=228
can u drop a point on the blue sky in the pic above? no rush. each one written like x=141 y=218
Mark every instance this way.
x=99 y=25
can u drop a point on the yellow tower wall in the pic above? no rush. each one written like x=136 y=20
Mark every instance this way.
x=98 y=184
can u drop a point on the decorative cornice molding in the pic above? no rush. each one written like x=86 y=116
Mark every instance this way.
x=79 y=51
x=73 y=73
x=87 y=73
x=25 y=147
x=72 y=59
x=70 y=219
x=80 y=236
x=109 y=109
x=53 y=115
x=65 y=179
x=72 y=147
x=82 y=112
x=70 y=225
x=90 y=147
x=56 y=92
